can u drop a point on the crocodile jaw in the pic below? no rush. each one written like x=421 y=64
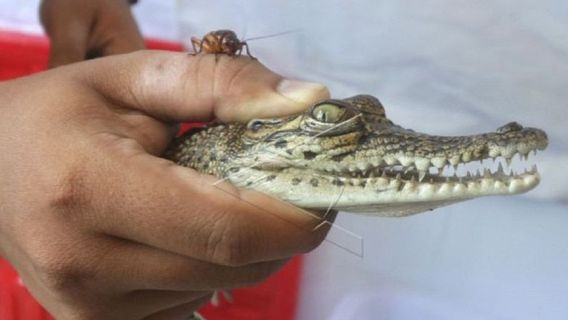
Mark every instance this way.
x=387 y=190
x=382 y=180
x=380 y=196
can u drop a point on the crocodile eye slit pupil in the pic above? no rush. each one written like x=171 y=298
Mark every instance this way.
x=328 y=113
x=321 y=116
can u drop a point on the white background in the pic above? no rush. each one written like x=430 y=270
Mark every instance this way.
x=442 y=67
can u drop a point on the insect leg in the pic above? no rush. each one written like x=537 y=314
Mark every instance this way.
x=197 y=45
x=239 y=51
x=244 y=44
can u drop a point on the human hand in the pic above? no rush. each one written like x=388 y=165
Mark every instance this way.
x=81 y=29
x=98 y=226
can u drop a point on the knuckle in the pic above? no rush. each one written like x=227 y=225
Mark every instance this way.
x=230 y=244
x=58 y=273
x=63 y=264
x=65 y=188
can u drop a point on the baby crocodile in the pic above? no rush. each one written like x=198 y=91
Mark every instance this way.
x=347 y=155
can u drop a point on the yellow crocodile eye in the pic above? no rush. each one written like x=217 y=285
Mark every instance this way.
x=327 y=112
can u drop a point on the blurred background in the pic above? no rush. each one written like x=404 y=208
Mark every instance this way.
x=447 y=67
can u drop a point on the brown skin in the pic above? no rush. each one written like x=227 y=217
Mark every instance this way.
x=98 y=225
x=80 y=29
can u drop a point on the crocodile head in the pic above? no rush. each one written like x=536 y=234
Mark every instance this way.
x=347 y=155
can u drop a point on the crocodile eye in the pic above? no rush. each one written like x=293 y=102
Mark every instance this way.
x=328 y=112
x=255 y=125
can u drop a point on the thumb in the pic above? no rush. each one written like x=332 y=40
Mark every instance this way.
x=178 y=87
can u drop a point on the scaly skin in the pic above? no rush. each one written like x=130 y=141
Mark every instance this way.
x=346 y=155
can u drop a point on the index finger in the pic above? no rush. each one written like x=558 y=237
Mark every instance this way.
x=181 y=88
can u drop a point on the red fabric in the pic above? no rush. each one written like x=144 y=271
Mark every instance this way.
x=275 y=299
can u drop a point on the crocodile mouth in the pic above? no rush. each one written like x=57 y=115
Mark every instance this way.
x=514 y=173
x=499 y=167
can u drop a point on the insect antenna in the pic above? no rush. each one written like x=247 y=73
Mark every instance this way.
x=273 y=35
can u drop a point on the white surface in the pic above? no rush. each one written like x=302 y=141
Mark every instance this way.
x=439 y=66
x=495 y=258
x=394 y=303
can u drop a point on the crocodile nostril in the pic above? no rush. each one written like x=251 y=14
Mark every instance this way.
x=511 y=126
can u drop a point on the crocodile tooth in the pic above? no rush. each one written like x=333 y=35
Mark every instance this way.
x=459 y=188
x=498 y=184
x=422 y=163
x=438 y=162
x=408 y=169
x=405 y=161
x=500 y=168
x=383 y=182
x=445 y=188
x=509 y=152
x=421 y=175
x=494 y=153
x=509 y=161
x=525 y=156
x=390 y=161
x=455 y=160
x=408 y=186
x=398 y=176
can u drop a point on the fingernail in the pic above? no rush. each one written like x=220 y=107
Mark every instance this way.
x=302 y=91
